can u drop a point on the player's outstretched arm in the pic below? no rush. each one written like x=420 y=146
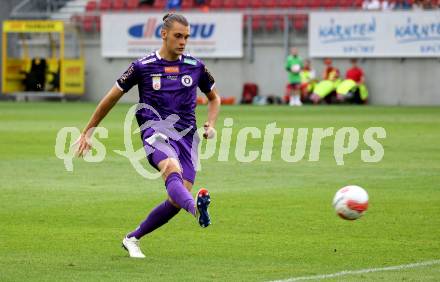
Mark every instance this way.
x=104 y=106
x=213 y=110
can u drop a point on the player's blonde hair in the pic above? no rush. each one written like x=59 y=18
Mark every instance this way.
x=170 y=18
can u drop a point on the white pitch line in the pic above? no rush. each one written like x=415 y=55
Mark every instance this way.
x=361 y=271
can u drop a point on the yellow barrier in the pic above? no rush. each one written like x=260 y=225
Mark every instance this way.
x=69 y=72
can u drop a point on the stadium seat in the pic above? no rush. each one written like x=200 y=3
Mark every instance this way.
x=187 y=4
x=88 y=23
x=270 y=3
x=280 y=22
x=97 y=20
x=357 y=3
x=250 y=90
x=314 y=4
x=300 y=4
x=345 y=3
x=118 y=4
x=91 y=6
x=270 y=23
x=299 y=22
x=329 y=4
x=76 y=19
x=229 y=4
x=132 y=4
x=256 y=4
x=159 y=4
x=216 y=4
x=256 y=22
x=35 y=79
x=105 y=5
x=285 y=3
x=242 y=4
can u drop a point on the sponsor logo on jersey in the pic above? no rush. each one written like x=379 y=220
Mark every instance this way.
x=156 y=82
x=126 y=74
x=174 y=69
x=148 y=61
x=187 y=80
x=190 y=61
x=172 y=77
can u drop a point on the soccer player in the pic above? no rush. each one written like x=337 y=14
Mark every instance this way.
x=308 y=80
x=294 y=65
x=327 y=86
x=167 y=82
x=353 y=88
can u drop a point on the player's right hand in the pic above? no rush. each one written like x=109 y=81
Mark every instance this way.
x=83 y=145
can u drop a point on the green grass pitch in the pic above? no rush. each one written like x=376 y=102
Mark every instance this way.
x=271 y=220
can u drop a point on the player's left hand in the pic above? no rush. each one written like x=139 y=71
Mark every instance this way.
x=209 y=131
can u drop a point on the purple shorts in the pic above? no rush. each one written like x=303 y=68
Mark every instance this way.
x=158 y=147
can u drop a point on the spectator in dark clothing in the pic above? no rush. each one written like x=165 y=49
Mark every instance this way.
x=402 y=5
x=174 y=4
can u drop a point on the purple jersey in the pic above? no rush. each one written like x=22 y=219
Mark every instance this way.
x=170 y=87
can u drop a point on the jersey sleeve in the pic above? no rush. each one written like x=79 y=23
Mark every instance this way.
x=288 y=64
x=129 y=78
x=206 y=81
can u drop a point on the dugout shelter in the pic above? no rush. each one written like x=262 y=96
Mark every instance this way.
x=41 y=58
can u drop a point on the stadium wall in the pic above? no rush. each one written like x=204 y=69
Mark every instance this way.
x=390 y=81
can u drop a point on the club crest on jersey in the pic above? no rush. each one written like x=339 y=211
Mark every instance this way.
x=187 y=80
x=156 y=82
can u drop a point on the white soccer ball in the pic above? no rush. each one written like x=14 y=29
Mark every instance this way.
x=295 y=68
x=350 y=202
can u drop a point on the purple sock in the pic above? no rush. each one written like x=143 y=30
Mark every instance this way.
x=157 y=217
x=179 y=194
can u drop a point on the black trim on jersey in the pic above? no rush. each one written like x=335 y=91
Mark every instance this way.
x=210 y=77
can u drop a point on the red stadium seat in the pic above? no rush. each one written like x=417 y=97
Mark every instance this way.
x=132 y=4
x=315 y=4
x=270 y=22
x=270 y=3
x=88 y=23
x=76 y=19
x=256 y=3
x=329 y=4
x=159 y=4
x=97 y=20
x=285 y=3
x=256 y=22
x=242 y=4
x=187 y=4
x=344 y=3
x=105 y=5
x=229 y=4
x=118 y=4
x=216 y=4
x=299 y=4
x=91 y=6
x=357 y=3
x=280 y=22
x=299 y=22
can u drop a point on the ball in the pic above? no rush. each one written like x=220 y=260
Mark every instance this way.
x=350 y=202
x=295 y=68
